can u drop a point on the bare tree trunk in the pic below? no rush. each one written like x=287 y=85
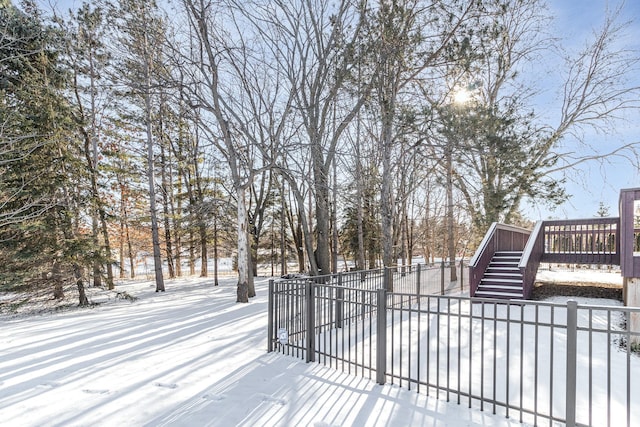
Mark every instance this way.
x=204 y=257
x=107 y=245
x=295 y=225
x=451 y=243
x=334 y=221
x=386 y=197
x=155 y=235
x=321 y=187
x=215 y=248
x=125 y=219
x=301 y=231
x=192 y=253
x=97 y=272
x=283 y=238
x=77 y=274
x=202 y=224
x=361 y=260
x=177 y=237
x=121 y=245
x=166 y=191
x=243 y=246
x=132 y=263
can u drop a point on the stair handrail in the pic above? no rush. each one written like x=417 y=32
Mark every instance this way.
x=531 y=256
x=483 y=245
x=476 y=267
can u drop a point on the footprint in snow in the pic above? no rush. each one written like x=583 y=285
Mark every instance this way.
x=50 y=384
x=166 y=385
x=271 y=399
x=90 y=391
x=213 y=397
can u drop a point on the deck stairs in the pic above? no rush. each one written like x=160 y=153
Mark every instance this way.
x=502 y=279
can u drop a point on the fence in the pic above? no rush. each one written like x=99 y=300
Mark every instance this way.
x=520 y=359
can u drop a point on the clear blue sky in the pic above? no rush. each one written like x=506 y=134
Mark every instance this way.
x=594 y=182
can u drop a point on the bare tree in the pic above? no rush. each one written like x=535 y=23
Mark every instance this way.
x=409 y=43
x=233 y=85
x=319 y=44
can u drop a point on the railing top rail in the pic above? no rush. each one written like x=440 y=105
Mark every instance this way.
x=357 y=280
x=529 y=247
x=606 y=220
x=514 y=228
x=483 y=245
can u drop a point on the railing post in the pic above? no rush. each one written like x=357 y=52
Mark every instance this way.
x=418 y=267
x=270 y=328
x=339 y=302
x=311 y=329
x=461 y=275
x=442 y=278
x=381 y=337
x=572 y=338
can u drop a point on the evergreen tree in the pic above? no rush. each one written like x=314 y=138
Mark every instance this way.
x=88 y=59
x=140 y=31
x=496 y=165
x=42 y=185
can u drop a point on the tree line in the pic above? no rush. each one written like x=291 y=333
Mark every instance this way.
x=309 y=131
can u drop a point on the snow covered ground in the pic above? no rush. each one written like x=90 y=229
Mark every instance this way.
x=188 y=357
x=553 y=273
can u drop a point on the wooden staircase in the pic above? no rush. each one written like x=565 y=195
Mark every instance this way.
x=502 y=279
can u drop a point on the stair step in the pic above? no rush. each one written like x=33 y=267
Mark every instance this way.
x=502 y=279
x=505 y=273
x=500 y=282
x=515 y=281
x=499 y=295
x=499 y=287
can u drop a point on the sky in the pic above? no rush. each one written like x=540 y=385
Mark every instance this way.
x=595 y=182
x=192 y=356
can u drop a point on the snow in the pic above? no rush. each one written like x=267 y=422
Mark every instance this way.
x=190 y=356
x=547 y=273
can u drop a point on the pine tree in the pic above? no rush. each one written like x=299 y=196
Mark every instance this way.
x=42 y=184
x=140 y=31
x=88 y=59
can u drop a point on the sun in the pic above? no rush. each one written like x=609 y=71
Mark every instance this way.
x=461 y=96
